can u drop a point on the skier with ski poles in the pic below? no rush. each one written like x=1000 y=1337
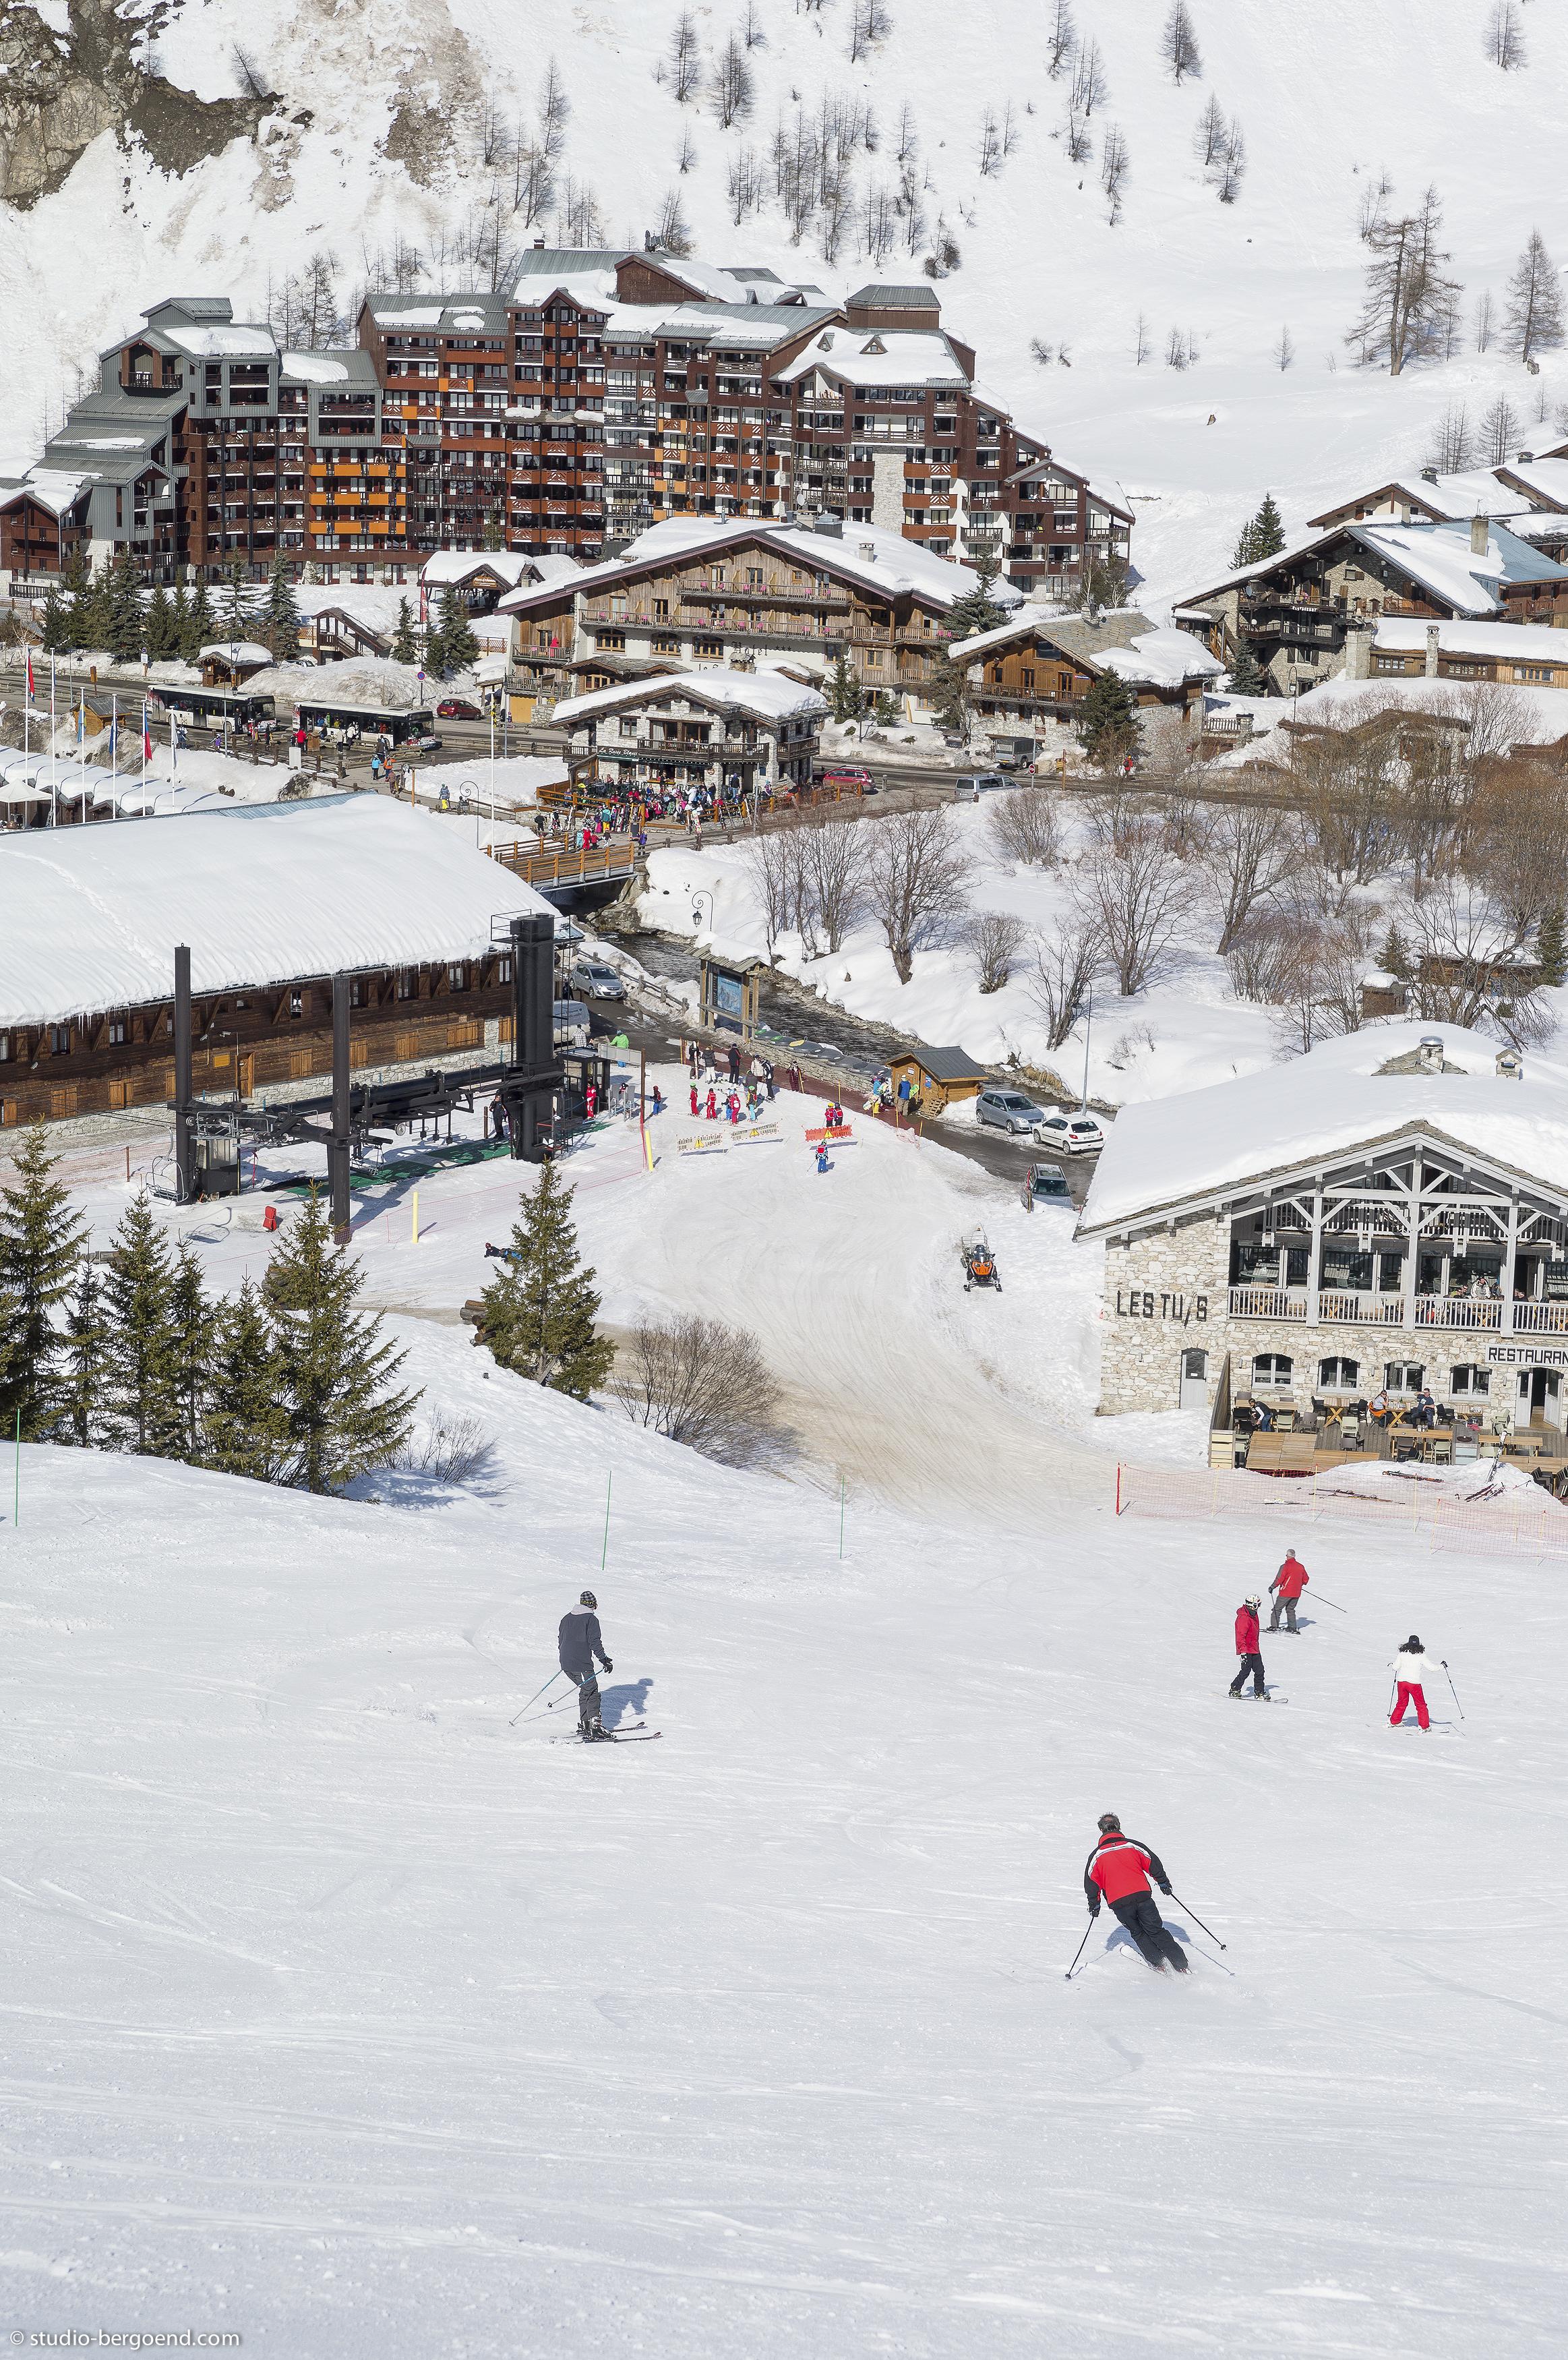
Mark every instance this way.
x=1412 y=1667
x=1287 y=1585
x=1118 y=1871
x=580 y=1641
x=1246 y=1649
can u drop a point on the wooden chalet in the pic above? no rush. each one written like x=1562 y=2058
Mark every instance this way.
x=273 y=899
x=1042 y=664
x=732 y=733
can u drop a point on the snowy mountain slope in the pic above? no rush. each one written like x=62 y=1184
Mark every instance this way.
x=384 y=112
x=341 y=2015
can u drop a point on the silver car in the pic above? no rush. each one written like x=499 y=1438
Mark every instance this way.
x=593 y=979
x=1008 y=1110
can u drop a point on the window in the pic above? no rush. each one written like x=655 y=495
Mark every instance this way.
x=709 y=647
x=1338 y=1376
x=1469 y=1380
x=59 y=1039
x=609 y=640
x=457 y=975
x=1404 y=1376
x=665 y=646
x=408 y=983
x=117 y=1031
x=296 y=1004
x=1272 y=1369
x=661 y=610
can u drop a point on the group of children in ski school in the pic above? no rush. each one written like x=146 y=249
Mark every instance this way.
x=1411 y=1667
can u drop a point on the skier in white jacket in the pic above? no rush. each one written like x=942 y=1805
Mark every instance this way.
x=1412 y=1667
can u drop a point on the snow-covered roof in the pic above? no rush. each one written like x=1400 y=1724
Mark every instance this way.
x=54 y=488
x=1123 y=641
x=1168 y=1153
x=374 y=684
x=230 y=341
x=449 y=568
x=1532 y=716
x=1473 y=492
x=1440 y=557
x=879 y=356
x=316 y=368
x=1544 y=479
x=89 y=916
x=771 y=695
x=1517 y=642
x=234 y=652
x=869 y=554
x=1163 y=660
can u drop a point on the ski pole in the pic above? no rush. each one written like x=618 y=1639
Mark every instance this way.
x=1196 y=1919
x=1454 y=1690
x=1328 y=1601
x=1079 y=1952
x=533 y=1699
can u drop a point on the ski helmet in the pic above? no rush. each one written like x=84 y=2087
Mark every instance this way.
x=1109 y=1824
x=588 y=1600
x=1254 y=1600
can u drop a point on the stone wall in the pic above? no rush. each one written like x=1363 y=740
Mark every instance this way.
x=1164 y=1294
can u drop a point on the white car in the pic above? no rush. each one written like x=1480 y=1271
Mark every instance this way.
x=1070 y=1134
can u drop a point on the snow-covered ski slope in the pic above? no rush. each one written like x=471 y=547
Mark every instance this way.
x=1327 y=99
x=342 y=2016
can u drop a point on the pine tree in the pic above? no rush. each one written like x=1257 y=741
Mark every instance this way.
x=80 y=1387
x=1394 y=958
x=141 y=1372
x=436 y=664
x=235 y=619
x=975 y=610
x=951 y=698
x=280 y=629
x=76 y=589
x=179 y=623
x=539 y=1308
x=89 y=609
x=1262 y=536
x=193 y=1327
x=246 y=1431
x=457 y=634
x=200 y=627
x=846 y=698
x=1108 y=722
x=122 y=618
x=1248 y=677
x=41 y=1239
x=339 y=1377
x=885 y=708
x=405 y=648
x=1552 y=949
x=56 y=636
x=162 y=631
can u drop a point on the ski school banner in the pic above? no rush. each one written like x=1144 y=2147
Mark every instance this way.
x=738 y=1134
x=844 y=1138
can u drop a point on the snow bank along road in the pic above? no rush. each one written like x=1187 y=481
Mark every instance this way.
x=342 y=2016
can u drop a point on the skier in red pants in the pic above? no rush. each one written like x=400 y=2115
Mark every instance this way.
x=1118 y=1871
x=1411 y=1667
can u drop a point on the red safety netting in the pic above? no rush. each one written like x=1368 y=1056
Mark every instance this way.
x=1509 y=1523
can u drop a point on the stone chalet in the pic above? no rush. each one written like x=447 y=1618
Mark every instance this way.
x=715 y=730
x=1391 y=1211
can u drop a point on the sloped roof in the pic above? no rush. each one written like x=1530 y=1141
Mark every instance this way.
x=772 y=695
x=951 y=1064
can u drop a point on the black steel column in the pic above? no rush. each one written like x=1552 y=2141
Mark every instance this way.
x=183 y=1173
x=338 y=1152
x=533 y=1024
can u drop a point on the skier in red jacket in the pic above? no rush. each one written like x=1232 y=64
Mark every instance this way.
x=1118 y=1871
x=1246 y=1648
x=1288 y=1585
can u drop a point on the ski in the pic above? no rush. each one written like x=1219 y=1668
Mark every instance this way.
x=630 y=1735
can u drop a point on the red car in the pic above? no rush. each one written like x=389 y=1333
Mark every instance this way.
x=840 y=776
x=457 y=708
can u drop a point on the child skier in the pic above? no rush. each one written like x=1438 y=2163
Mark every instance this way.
x=1246 y=1648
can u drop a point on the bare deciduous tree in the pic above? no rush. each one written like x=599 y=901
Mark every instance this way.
x=1024 y=826
x=771 y=865
x=751 y=30
x=1061 y=39
x=1504 y=36
x=1484 y=319
x=1209 y=138
x=989 y=153
x=1179 y=44
x=1467 y=949
x=1250 y=851
x=917 y=881
x=682 y=66
x=733 y=88
x=1139 y=895
x=1114 y=165
x=1409 y=304
x=743 y=183
x=1319 y=984
x=1066 y=964
x=831 y=870
x=1499 y=430
x=701 y=1383
x=995 y=940
x=554 y=112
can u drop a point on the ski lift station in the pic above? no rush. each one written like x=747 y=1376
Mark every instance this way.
x=274 y=901
x=1388 y=1213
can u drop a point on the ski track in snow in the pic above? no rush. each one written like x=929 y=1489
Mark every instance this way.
x=340 y=2014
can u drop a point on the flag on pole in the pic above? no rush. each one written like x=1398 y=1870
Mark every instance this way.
x=29 y=675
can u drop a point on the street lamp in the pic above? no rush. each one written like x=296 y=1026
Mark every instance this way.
x=701 y=895
x=1086 y=1010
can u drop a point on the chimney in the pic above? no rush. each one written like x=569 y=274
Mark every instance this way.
x=1358 y=655
x=1524 y=459
x=539 y=245
x=1510 y=1065
x=1428 y=474
x=1433 y=633
x=1429 y=1053
x=830 y=524
x=868 y=550
x=1480 y=536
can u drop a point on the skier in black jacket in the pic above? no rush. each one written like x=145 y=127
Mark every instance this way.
x=580 y=1641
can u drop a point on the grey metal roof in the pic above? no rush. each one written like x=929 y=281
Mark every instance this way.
x=944 y=1065
x=571 y=261
x=896 y=299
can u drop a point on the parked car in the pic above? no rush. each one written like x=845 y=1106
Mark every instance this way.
x=847 y=775
x=1009 y=1111
x=1045 y=1184
x=593 y=979
x=457 y=708
x=1072 y=1134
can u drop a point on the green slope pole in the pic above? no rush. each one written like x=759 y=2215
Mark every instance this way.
x=604 y=1552
x=16 y=1504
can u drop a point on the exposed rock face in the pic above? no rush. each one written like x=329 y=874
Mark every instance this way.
x=57 y=92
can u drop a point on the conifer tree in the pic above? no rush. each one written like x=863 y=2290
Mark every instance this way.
x=975 y=610
x=846 y=698
x=200 y=627
x=192 y=1326
x=1262 y=536
x=885 y=708
x=41 y=1238
x=1108 y=722
x=950 y=695
x=461 y=648
x=234 y=616
x=179 y=623
x=405 y=649
x=1394 y=958
x=89 y=609
x=1550 y=949
x=76 y=586
x=1248 y=677
x=57 y=636
x=539 y=1308
x=435 y=656
x=281 y=628
x=80 y=1387
x=122 y=618
x=141 y=1405
x=161 y=632
x=246 y=1431
x=338 y=1386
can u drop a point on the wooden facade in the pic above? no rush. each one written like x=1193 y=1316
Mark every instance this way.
x=248 y=1040
x=1034 y=669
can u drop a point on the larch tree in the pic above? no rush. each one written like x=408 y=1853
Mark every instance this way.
x=1409 y=303
x=1504 y=36
x=41 y=1241
x=1061 y=39
x=733 y=86
x=540 y=1308
x=1179 y=44
x=1533 y=314
x=346 y=1411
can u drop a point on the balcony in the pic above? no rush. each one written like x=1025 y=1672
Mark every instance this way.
x=1266 y=1303
x=1368 y=1310
x=1540 y=1318
x=1459 y=1311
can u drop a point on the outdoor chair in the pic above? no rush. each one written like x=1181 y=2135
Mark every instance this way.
x=1349 y=1430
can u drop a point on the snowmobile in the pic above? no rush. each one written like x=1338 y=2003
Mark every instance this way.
x=979 y=1263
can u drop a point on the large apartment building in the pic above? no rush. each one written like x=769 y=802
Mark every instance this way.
x=604 y=391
